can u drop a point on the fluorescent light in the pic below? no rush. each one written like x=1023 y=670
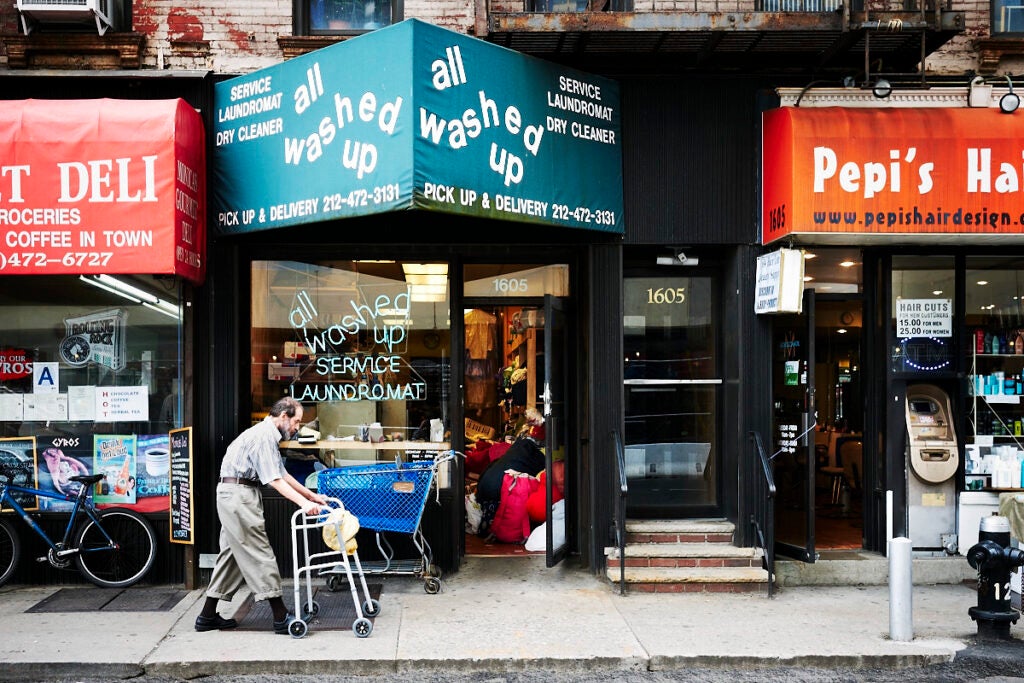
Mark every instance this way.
x=97 y=283
x=159 y=309
x=982 y=282
x=425 y=268
x=847 y=264
x=810 y=255
x=936 y=292
x=168 y=306
x=421 y=279
x=126 y=288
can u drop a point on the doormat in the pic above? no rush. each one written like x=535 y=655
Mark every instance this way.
x=88 y=599
x=336 y=610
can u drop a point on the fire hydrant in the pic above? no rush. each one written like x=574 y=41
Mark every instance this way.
x=994 y=559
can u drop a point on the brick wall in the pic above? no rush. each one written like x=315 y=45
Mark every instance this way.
x=240 y=36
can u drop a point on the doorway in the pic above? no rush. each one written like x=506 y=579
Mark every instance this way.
x=819 y=411
x=839 y=436
x=518 y=418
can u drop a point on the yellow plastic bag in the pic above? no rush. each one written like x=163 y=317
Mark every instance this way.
x=340 y=520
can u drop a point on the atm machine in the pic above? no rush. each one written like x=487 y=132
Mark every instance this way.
x=933 y=457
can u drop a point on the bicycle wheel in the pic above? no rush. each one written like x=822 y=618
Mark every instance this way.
x=10 y=550
x=129 y=561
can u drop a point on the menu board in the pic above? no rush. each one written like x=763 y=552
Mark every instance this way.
x=181 y=485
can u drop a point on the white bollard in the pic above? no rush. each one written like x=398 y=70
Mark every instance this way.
x=901 y=590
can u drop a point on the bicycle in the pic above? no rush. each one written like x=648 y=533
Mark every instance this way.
x=112 y=547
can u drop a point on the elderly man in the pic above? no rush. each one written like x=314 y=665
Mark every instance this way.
x=253 y=460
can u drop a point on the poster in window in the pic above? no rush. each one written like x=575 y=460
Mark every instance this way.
x=181 y=502
x=114 y=456
x=18 y=464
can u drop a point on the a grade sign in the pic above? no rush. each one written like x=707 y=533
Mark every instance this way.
x=924 y=318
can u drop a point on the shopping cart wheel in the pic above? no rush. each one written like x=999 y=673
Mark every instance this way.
x=362 y=627
x=371 y=608
x=297 y=628
x=334 y=582
x=432 y=585
x=312 y=612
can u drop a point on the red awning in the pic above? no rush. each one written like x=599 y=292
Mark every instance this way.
x=102 y=186
x=865 y=175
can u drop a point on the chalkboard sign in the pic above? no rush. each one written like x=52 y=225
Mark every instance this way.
x=181 y=485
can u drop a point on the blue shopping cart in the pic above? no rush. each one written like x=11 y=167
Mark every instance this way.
x=388 y=497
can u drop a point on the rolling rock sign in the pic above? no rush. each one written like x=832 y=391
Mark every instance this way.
x=96 y=337
x=329 y=365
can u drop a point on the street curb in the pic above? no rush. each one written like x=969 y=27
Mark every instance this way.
x=45 y=671
x=892 y=662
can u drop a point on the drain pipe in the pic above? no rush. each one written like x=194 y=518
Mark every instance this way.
x=901 y=589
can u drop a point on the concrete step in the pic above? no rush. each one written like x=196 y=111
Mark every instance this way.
x=864 y=568
x=692 y=579
x=679 y=531
x=685 y=555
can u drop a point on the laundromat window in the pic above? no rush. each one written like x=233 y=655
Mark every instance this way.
x=365 y=346
x=923 y=305
x=90 y=383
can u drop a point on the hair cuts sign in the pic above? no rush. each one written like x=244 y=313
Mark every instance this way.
x=416 y=116
x=102 y=186
x=892 y=172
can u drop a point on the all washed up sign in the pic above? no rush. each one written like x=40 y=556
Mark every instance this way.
x=416 y=116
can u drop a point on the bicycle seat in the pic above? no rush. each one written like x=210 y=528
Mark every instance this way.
x=87 y=479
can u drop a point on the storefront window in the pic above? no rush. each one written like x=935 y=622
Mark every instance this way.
x=363 y=345
x=922 y=315
x=90 y=382
x=671 y=391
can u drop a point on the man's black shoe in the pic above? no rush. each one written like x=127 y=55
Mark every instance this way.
x=214 y=623
x=281 y=627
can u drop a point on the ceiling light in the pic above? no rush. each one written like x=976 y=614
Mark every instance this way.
x=936 y=292
x=160 y=309
x=112 y=290
x=808 y=278
x=841 y=330
x=122 y=286
x=425 y=268
x=847 y=264
x=810 y=255
x=982 y=282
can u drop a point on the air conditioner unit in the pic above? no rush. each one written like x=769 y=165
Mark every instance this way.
x=105 y=13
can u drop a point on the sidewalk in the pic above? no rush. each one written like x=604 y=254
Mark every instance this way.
x=501 y=615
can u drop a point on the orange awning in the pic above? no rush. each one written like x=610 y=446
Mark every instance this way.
x=102 y=186
x=872 y=173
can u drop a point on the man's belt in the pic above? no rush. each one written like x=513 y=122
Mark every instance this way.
x=255 y=483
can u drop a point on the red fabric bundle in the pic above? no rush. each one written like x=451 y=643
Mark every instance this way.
x=536 y=504
x=511 y=523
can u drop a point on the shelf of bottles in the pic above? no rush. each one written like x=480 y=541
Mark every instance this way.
x=997 y=383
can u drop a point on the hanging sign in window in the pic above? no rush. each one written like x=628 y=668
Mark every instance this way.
x=924 y=318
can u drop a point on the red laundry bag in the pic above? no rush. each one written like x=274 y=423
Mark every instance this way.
x=536 y=504
x=511 y=523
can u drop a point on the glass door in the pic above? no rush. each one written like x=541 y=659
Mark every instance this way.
x=671 y=394
x=793 y=430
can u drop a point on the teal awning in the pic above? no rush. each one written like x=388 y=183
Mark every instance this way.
x=414 y=116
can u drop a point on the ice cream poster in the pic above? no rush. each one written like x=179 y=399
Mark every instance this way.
x=114 y=455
